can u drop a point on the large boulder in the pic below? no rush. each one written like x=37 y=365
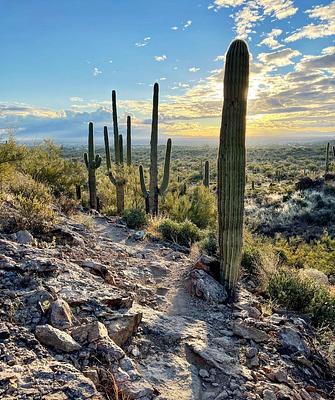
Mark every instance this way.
x=205 y=287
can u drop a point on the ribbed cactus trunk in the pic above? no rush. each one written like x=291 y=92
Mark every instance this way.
x=92 y=162
x=232 y=162
x=206 y=175
x=129 y=141
x=327 y=158
x=151 y=196
x=115 y=128
x=117 y=179
x=153 y=185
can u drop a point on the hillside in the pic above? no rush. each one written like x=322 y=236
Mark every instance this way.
x=82 y=305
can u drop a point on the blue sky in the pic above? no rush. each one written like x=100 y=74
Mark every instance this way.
x=61 y=59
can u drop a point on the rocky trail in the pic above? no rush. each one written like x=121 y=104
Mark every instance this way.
x=83 y=311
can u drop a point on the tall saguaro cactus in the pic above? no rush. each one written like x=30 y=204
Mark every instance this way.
x=151 y=196
x=93 y=162
x=232 y=162
x=115 y=128
x=128 y=140
x=206 y=174
x=327 y=158
x=117 y=179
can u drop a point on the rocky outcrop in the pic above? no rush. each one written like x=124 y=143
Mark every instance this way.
x=135 y=315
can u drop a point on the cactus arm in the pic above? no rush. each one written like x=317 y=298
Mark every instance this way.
x=153 y=186
x=97 y=161
x=86 y=160
x=115 y=128
x=120 y=149
x=166 y=175
x=128 y=140
x=231 y=162
x=206 y=174
x=107 y=149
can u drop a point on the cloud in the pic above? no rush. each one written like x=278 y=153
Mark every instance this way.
x=194 y=69
x=144 y=43
x=299 y=102
x=96 y=71
x=270 y=39
x=160 y=58
x=187 y=24
x=174 y=28
x=76 y=99
x=280 y=58
x=325 y=27
x=251 y=11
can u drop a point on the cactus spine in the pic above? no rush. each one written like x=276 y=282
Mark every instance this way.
x=117 y=180
x=206 y=174
x=93 y=162
x=151 y=196
x=129 y=141
x=231 y=162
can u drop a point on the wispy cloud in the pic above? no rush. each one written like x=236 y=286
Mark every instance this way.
x=279 y=58
x=160 y=58
x=187 y=24
x=194 y=69
x=270 y=39
x=76 y=99
x=96 y=71
x=174 y=28
x=324 y=27
x=144 y=42
x=251 y=11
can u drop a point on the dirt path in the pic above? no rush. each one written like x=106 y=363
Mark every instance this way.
x=190 y=349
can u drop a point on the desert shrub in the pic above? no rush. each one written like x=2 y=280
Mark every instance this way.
x=293 y=292
x=184 y=233
x=11 y=152
x=318 y=254
x=203 y=208
x=209 y=244
x=32 y=203
x=176 y=206
x=45 y=164
x=135 y=218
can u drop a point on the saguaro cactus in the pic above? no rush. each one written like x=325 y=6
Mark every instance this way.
x=232 y=161
x=115 y=128
x=327 y=158
x=93 y=162
x=117 y=179
x=151 y=196
x=129 y=141
x=206 y=174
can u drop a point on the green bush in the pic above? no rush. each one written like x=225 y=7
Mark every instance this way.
x=289 y=290
x=32 y=203
x=135 y=218
x=209 y=244
x=183 y=233
x=203 y=208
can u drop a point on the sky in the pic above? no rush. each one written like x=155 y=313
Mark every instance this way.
x=62 y=58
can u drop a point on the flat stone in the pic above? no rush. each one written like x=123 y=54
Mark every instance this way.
x=292 y=340
x=123 y=326
x=250 y=332
x=56 y=338
x=269 y=394
x=24 y=237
